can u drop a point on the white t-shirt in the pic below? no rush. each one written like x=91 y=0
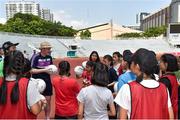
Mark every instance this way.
x=95 y=100
x=123 y=97
x=33 y=95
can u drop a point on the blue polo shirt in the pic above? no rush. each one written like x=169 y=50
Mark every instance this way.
x=125 y=78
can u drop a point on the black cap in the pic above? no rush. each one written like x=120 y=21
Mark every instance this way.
x=8 y=44
x=127 y=55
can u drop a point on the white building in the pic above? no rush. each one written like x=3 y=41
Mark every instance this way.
x=30 y=7
x=47 y=15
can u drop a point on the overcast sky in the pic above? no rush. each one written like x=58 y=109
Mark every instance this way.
x=84 y=13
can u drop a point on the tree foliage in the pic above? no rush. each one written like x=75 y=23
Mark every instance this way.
x=30 y=24
x=85 y=34
x=129 y=35
x=152 y=32
x=155 y=32
x=1 y=27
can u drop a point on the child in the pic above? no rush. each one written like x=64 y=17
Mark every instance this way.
x=93 y=100
x=113 y=77
x=168 y=65
x=117 y=59
x=128 y=76
x=87 y=73
x=144 y=98
x=66 y=90
x=17 y=92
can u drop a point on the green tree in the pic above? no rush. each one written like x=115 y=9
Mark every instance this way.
x=129 y=35
x=155 y=32
x=1 y=27
x=35 y=27
x=30 y=24
x=16 y=25
x=152 y=32
x=85 y=34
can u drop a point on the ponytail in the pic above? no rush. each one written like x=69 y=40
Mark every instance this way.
x=3 y=88
x=15 y=92
x=3 y=92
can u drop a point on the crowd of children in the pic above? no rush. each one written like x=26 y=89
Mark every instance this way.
x=132 y=85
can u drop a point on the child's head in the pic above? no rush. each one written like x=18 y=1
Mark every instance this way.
x=108 y=60
x=78 y=71
x=143 y=64
x=90 y=66
x=94 y=57
x=117 y=57
x=13 y=64
x=64 y=68
x=127 y=56
x=100 y=76
x=168 y=63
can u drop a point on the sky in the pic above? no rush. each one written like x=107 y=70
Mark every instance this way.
x=86 y=13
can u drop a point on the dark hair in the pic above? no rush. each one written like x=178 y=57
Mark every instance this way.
x=171 y=61
x=100 y=76
x=157 y=68
x=147 y=62
x=109 y=58
x=127 y=56
x=13 y=63
x=91 y=63
x=64 y=68
x=118 y=54
x=94 y=52
x=27 y=68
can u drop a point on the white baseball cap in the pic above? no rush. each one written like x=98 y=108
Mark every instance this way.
x=78 y=70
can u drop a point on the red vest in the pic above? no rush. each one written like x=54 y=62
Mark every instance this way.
x=148 y=103
x=174 y=92
x=19 y=110
x=120 y=70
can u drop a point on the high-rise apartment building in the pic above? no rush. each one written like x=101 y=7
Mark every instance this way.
x=47 y=15
x=30 y=7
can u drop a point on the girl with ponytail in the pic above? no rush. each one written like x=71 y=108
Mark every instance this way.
x=144 y=98
x=16 y=92
x=168 y=65
x=66 y=90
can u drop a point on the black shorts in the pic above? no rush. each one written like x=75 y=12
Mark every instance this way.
x=48 y=91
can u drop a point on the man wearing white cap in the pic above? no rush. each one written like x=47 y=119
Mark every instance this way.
x=39 y=63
